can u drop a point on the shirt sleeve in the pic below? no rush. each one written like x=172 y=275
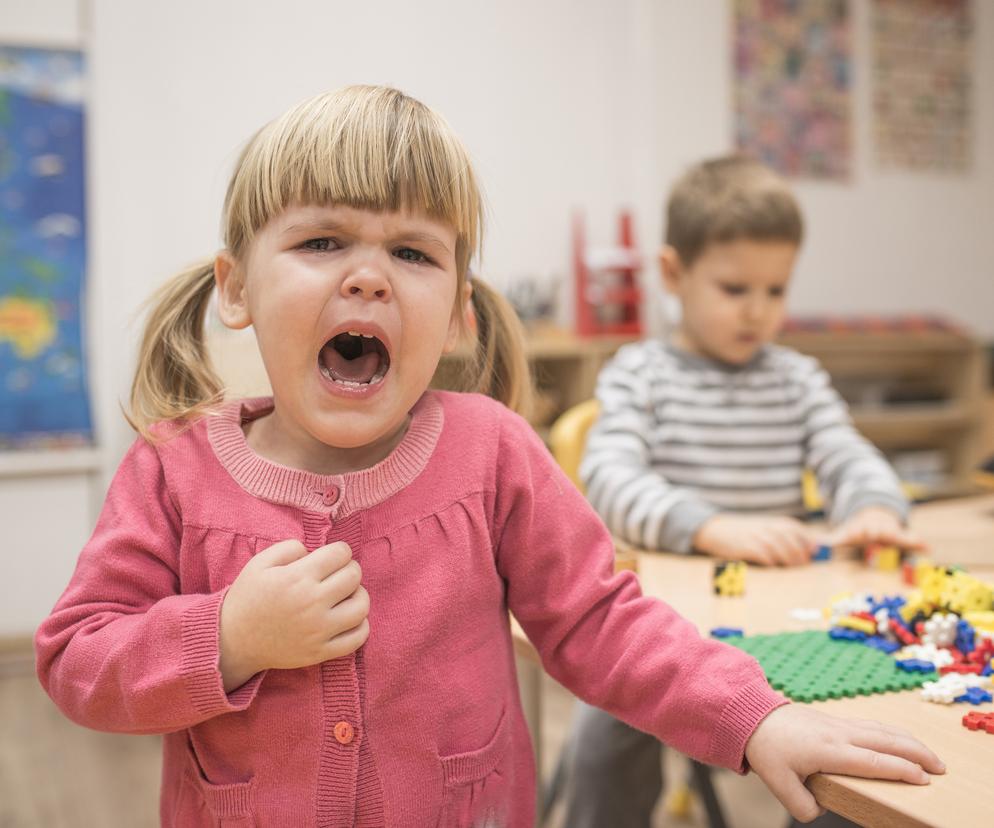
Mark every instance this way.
x=630 y=655
x=123 y=650
x=851 y=472
x=637 y=503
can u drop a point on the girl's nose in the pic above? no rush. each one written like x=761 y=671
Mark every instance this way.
x=367 y=280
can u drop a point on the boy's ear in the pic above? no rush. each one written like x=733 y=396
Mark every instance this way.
x=232 y=301
x=464 y=307
x=671 y=268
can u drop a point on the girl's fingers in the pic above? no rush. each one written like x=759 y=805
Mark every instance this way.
x=798 y=800
x=900 y=744
x=858 y=761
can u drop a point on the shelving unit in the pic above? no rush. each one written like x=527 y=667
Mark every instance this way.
x=911 y=391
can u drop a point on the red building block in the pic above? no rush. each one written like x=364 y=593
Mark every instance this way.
x=979 y=721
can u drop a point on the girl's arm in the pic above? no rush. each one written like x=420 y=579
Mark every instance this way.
x=630 y=655
x=639 y=660
x=123 y=650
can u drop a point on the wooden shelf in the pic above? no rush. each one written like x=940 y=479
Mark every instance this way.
x=946 y=369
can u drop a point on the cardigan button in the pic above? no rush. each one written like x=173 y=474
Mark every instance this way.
x=330 y=496
x=344 y=733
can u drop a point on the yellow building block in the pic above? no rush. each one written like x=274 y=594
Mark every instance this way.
x=729 y=578
x=854 y=623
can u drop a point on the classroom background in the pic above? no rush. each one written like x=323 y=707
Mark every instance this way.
x=578 y=113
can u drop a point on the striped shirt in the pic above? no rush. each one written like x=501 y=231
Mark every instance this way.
x=681 y=438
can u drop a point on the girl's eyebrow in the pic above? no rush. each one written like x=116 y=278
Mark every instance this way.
x=317 y=225
x=426 y=238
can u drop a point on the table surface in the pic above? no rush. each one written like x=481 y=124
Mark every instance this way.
x=960 y=532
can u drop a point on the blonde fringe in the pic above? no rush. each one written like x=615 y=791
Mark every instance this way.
x=174 y=379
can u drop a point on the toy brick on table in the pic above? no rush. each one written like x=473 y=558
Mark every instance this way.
x=729 y=578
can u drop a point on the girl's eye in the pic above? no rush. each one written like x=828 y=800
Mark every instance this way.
x=320 y=244
x=409 y=254
x=776 y=292
x=734 y=290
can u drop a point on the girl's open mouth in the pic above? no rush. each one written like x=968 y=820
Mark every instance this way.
x=354 y=360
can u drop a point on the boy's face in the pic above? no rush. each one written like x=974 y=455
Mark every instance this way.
x=732 y=296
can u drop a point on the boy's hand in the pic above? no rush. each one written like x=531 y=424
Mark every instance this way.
x=762 y=539
x=288 y=608
x=793 y=742
x=874 y=524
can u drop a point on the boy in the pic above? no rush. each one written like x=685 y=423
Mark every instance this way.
x=702 y=439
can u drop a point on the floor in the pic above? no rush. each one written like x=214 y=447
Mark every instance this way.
x=54 y=774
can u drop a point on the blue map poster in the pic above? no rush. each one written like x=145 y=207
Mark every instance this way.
x=43 y=385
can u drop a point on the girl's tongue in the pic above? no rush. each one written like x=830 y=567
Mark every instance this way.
x=351 y=359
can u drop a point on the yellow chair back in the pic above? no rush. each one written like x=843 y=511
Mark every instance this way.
x=568 y=436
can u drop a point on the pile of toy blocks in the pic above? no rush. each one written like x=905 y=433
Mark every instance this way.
x=944 y=627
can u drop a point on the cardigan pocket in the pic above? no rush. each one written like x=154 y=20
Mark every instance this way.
x=230 y=805
x=478 y=784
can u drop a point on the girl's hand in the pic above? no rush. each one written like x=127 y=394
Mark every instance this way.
x=793 y=742
x=762 y=539
x=874 y=524
x=288 y=608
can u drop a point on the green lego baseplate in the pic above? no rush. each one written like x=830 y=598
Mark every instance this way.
x=810 y=666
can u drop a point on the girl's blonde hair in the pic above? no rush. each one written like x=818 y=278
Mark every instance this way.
x=368 y=147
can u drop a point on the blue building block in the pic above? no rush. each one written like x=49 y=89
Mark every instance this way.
x=845 y=634
x=882 y=644
x=974 y=695
x=823 y=553
x=727 y=632
x=965 y=636
x=916 y=665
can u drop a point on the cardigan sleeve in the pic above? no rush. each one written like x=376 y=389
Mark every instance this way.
x=123 y=650
x=628 y=654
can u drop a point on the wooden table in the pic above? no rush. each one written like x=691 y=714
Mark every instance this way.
x=960 y=531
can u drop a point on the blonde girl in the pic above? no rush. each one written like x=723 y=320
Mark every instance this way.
x=308 y=594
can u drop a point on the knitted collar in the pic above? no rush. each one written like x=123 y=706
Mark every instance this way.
x=339 y=494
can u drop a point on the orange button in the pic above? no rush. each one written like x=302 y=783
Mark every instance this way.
x=344 y=733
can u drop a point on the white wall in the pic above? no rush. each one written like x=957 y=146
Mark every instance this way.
x=563 y=103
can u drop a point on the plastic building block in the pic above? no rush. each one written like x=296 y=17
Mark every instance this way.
x=806 y=614
x=915 y=665
x=965 y=637
x=823 y=553
x=846 y=634
x=727 y=632
x=952 y=688
x=882 y=644
x=975 y=695
x=854 y=622
x=887 y=559
x=729 y=578
x=979 y=721
x=941 y=629
x=811 y=666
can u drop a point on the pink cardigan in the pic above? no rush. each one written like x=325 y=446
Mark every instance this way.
x=467 y=518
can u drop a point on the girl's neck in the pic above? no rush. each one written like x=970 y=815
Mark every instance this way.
x=271 y=439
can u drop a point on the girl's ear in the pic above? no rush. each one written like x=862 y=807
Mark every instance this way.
x=457 y=326
x=671 y=268
x=232 y=302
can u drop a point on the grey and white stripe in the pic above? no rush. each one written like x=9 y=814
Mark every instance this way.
x=681 y=438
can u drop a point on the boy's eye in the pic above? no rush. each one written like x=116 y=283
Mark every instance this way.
x=409 y=254
x=320 y=244
x=734 y=290
x=776 y=292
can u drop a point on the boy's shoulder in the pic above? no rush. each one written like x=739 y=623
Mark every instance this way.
x=646 y=353
x=791 y=364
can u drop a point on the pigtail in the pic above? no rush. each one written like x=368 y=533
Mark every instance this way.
x=174 y=379
x=500 y=365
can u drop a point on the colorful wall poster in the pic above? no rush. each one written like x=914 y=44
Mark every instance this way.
x=792 y=77
x=44 y=401
x=922 y=84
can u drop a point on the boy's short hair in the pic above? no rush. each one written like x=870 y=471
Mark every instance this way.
x=729 y=198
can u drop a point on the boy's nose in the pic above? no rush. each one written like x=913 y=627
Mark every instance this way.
x=368 y=279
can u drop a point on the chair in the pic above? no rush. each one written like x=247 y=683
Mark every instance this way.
x=567 y=439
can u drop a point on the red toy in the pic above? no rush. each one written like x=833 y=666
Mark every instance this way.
x=979 y=721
